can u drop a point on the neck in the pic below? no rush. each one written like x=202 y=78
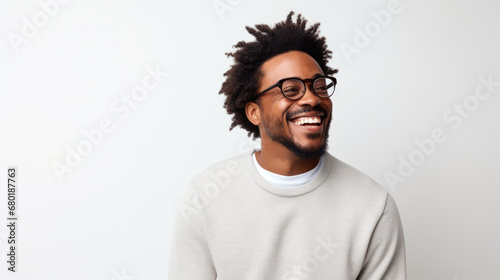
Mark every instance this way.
x=282 y=161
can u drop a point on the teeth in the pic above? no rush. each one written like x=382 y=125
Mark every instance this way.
x=302 y=121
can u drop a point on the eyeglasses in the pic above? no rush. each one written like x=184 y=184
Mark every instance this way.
x=295 y=88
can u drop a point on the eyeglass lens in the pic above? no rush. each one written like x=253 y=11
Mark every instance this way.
x=295 y=88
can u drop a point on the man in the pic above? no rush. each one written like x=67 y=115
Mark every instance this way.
x=290 y=210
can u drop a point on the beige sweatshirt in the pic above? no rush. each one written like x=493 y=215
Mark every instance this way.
x=234 y=225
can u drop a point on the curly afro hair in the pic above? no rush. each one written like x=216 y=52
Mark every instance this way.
x=243 y=78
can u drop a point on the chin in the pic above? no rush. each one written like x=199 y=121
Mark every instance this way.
x=307 y=152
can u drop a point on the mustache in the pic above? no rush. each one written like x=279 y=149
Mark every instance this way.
x=307 y=109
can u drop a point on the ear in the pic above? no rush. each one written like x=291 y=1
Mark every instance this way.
x=252 y=111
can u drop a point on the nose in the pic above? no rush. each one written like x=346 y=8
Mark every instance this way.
x=309 y=98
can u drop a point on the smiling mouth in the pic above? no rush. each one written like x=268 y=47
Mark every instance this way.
x=308 y=121
x=310 y=124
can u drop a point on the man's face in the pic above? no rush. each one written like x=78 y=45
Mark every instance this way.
x=286 y=122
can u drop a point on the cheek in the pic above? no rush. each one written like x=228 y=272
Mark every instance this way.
x=278 y=109
x=329 y=106
x=274 y=121
x=328 y=102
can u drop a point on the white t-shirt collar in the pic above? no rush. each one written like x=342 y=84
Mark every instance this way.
x=288 y=181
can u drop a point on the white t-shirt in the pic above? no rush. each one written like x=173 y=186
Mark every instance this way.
x=288 y=181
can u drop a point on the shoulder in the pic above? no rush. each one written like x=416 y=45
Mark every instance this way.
x=208 y=186
x=222 y=170
x=354 y=184
x=347 y=174
x=209 y=183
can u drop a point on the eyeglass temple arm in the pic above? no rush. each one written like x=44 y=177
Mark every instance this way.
x=267 y=89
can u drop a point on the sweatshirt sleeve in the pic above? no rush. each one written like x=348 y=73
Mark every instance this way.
x=190 y=257
x=385 y=257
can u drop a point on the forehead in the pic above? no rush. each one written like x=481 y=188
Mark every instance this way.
x=291 y=64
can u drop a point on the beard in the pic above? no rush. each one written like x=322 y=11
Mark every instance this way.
x=275 y=130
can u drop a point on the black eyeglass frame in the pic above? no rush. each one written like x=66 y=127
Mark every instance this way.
x=304 y=81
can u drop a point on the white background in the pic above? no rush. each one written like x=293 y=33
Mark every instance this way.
x=111 y=217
